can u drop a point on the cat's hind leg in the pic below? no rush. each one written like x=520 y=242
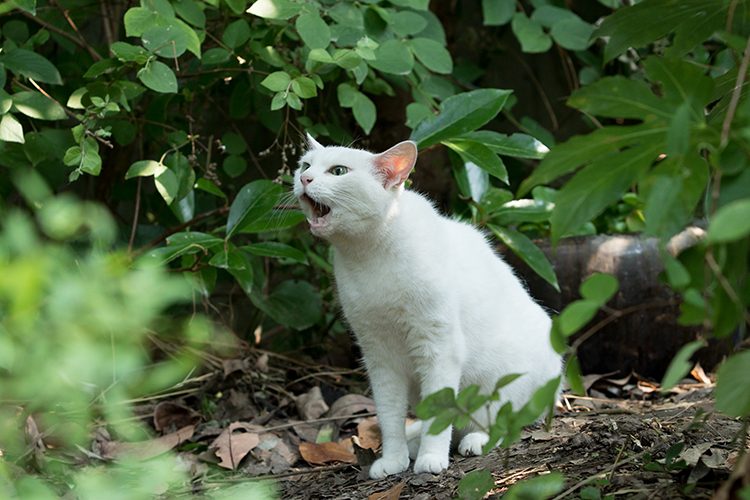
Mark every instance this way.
x=413 y=438
x=473 y=437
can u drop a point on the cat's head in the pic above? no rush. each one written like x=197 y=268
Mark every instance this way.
x=345 y=191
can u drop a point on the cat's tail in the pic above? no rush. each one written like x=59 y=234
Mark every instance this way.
x=413 y=437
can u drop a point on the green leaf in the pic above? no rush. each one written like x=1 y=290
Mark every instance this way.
x=582 y=149
x=191 y=12
x=406 y=23
x=274 y=220
x=731 y=222
x=598 y=186
x=475 y=485
x=193 y=241
x=304 y=87
x=542 y=400
x=506 y=380
x=693 y=20
x=460 y=114
x=313 y=30
x=139 y=19
x=38 y=106
x=528 y=251
x=145 y=168
x=276 y=250
x=573 y=33
x=573 y=375
x=237 y=6
x=436 y=403
x=364 y=112
x=278 y=81
x=209 y=187
x=599 y=288
x=234 y=165
x=101 y=67
x=275 y=9
x=227 y=260
x=497 y=12
x=620 y=97
x=516 y=145
x=393 y=57
x=126 y=52
x=732 y=391
x=536 y=488
x=165 y=41
x=167 y=185
x=432 y=54
x=253 y=201
x=159 y=77
x=530 y=34
x=347 y=59
x=31 y=65
x=10 y=129
x=680 y=365
x=576 y=315
x=236 y=34
x=347 y=95
x=73 y=156
x=677 y=274
x=6 y=101
x=217 y=55
x=91 y=162
x=320 y=55
x=480 y=155
x=293 y=303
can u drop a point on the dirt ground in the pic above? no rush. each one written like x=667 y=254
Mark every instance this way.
x=312 y=431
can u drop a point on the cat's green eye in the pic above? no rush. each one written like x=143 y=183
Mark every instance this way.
x=339 y=170
x=304 y=167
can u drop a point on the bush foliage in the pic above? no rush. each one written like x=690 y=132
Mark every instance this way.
x=137 y=136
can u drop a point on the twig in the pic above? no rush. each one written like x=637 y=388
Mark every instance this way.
x=45 y=94
x=725 y=128
x=177 y=229
x=94 y=54
x=716 y=269
x=617 y=315
x=539 y=89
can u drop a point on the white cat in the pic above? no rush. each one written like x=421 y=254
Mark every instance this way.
x=430 y=303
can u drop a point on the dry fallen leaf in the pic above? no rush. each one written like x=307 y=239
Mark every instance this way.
x=323 y=453
x=311 y=405
x=231 y=448
x=700 y=375
x=368 y=431
x=391 y=494
x=145 y=450
x=233 y=365
x=167 y=413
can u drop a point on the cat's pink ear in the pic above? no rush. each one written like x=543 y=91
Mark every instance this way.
x=312 y=143
x=396 y=163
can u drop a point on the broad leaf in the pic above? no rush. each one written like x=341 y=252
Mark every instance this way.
x=293 y=303
x=576 y=315
x=680 y=365
x=460 y=114
x=10 y=129
x=36 y=105
x=620 y=97
x=481 y=156
x=159 y=77
x=432 y=54
x=236 y=34
x=275 y=9
x=393 y=57
x=528 y=251
x=732 y=391
x=31 y=65
x=145 y=168
x=314 y=31
x=517 y=145
x=497 y=12
x=166 y=41
x=731 y=222
x=536 y=488
x=252 y=202
x=597 y=186
x=276 y=250
x=529 y=32
x=599 y=287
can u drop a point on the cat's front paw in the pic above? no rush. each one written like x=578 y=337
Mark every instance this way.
x=431 y=462
x=472 y=443
x=386 y=466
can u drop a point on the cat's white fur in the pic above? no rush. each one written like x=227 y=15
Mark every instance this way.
x=430 y=303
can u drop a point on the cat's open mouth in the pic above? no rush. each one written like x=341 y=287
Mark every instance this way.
x=319 y=211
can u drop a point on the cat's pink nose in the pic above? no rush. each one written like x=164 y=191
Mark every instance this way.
x=306 y=179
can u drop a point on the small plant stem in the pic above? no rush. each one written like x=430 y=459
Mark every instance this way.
x=617 y=459
x=716 y=269
x=726 y=126
x=135 y=216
